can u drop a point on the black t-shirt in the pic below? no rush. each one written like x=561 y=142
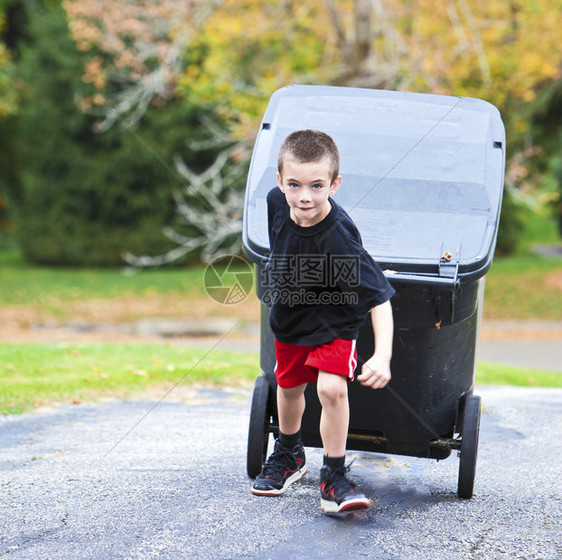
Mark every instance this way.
x=321 y=280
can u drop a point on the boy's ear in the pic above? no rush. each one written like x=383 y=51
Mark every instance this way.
x=336 y=184
x=280 y=181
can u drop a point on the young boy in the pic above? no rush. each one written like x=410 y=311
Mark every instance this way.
x=322 y=284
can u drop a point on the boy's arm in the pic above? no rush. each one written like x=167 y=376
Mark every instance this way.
x=375 y=372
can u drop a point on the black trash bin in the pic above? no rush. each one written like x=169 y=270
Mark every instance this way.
x=423 y=181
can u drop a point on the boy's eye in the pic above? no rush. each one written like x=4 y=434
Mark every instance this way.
x=317 y=186
x=293 y=185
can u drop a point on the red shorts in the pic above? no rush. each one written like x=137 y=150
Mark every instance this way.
x=300 y=364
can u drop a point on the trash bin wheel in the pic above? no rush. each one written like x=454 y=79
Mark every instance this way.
x=469 y=446
x=258 y=434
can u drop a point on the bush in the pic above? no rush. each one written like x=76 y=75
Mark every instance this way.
x=557 y=180
x=86 y=197
x=511 y=228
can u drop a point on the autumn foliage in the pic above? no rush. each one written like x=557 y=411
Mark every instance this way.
x=226 y=57
x=233 y=54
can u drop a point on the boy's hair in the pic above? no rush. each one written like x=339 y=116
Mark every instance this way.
x=305 y=146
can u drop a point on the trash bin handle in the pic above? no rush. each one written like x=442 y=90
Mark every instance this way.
x=421 y=279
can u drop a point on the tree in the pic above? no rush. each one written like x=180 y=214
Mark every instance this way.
x=505 y=52
x=133 y=51
x=85 y=197
x=209 y=208
x=8 y=108
x=10 y=34
x=228 y=57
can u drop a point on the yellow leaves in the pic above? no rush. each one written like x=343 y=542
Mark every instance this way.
x=252 y=49
x=235 y=53
x=523 y=46
x=229 y=27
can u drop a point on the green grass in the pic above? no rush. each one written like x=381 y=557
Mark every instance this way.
x=527 y=285
x=52 y=287
x=524 y=287
x=38 y=374
x=41 y=374
x=499 y=374
x=519 y=287
x=540 y=228
x=55 y=292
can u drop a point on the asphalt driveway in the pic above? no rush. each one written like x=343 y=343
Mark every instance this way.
x=143 y=479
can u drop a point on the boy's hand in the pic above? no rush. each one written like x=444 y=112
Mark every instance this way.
x=375 y=373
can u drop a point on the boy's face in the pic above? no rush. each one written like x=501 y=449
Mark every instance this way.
x=306 y=187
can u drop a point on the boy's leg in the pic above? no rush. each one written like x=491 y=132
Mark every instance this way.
x=287 y=463
x=290 y=408
x=338 y=494
x=334 y=420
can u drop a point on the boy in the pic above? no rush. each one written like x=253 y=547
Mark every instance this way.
x=322 y=284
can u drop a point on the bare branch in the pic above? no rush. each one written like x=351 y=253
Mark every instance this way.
x=211 y=204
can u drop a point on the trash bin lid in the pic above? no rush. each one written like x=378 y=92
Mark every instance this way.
x=422 y=173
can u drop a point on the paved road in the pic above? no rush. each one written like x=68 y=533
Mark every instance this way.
x=537 y=354
x=529 y=344
x=143 y=480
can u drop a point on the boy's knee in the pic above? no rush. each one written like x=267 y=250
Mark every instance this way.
x=331 y=388
x=291 y=393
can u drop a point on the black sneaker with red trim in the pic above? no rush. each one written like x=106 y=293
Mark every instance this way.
x=283 y=467
x=338 y=494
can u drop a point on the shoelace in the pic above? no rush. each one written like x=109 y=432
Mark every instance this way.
x=338 y=480
x=279 y=460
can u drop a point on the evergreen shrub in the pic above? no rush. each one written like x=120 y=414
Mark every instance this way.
x=87 y=197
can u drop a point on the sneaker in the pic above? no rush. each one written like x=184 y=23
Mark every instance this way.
x=338 y=494
x=283 y=467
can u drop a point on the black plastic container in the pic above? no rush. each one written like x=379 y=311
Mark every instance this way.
x=423 y=182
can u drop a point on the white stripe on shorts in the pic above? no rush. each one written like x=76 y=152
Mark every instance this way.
x=352 y=363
